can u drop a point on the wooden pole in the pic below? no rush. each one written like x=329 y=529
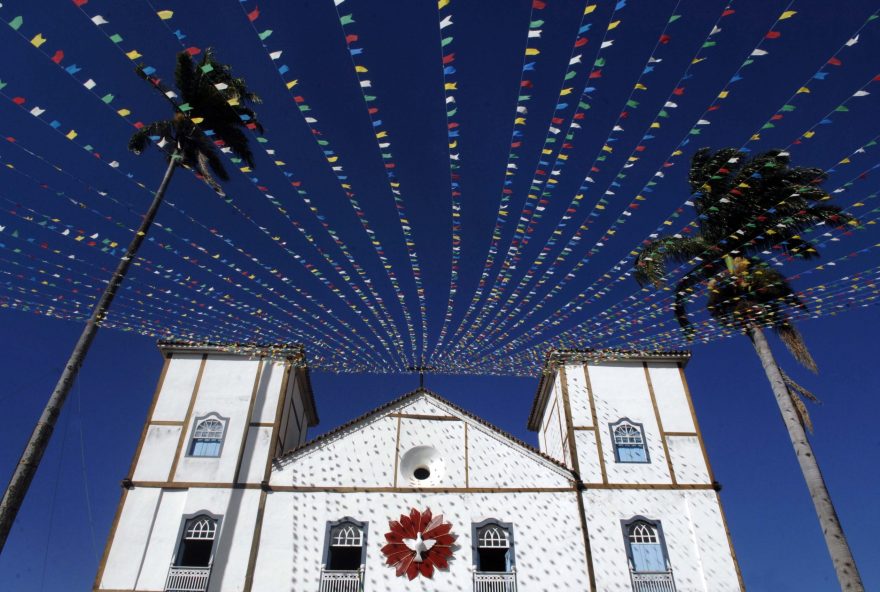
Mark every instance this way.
x=27 y=465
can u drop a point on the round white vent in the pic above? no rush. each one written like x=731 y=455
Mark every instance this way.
x=422 y=466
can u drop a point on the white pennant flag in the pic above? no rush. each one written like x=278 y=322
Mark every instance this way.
x=861 y=93
x=99 y=20
x=534 y=33
x=275 y=55
x=446 y=22
x=36 y=111
x=608 y=43
x=852 y=41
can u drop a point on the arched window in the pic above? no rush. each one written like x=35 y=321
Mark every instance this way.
x=629 y=442
x=493 y=546
x=207 y=438
x=345 y=545
x=646 y=548
x=197 y=543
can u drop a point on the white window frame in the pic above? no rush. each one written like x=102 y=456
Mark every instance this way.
x=194 y=437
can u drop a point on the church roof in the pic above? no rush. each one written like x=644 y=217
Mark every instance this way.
x=412 y=395
x=560 y=357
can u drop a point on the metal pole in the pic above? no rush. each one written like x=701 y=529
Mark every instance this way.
x=39 y=440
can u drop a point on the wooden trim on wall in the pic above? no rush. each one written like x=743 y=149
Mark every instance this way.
x=699 y=433
x=113 y=525
x=739 y=576
x=425 y=416
x=257 y=424
x=680 y=434
x=677 y=486
x=659 y=423
x=188 y=417
x=247 y=424
x=255 y=544
x=588 y=552
x=396 y=450
x=569 y=431
x=592 y=400
x=466 y=457
x=276 y=425
x=160 y=422
x=150 y=411
x=348 y=489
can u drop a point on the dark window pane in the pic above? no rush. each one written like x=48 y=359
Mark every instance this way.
x=347 y=558
x=195 y=553
x=493 y=560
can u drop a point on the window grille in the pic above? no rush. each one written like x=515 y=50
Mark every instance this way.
x=347 y=536
x=493 y=537
x=628 y=435
x=643 y=533
x=201 y=528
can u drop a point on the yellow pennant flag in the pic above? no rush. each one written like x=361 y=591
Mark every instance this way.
x=723 y=94
x=809 y=134
x=565 y=91
x=450 y=86
x=530 y=51
x=641 y=86
x=198 y=120
x=292 y=83
x=133 y=54
x=787 y=14
x=71 y=135
x=612 y=26
x=656 y=124
x=442 y=4
x=802 y=89
x=589 y=8
x=38 y=40
x=360 y=69
x=124 y=112
x=165 y=14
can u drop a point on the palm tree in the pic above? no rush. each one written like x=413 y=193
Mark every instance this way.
x=208 y=97
x=746 y=207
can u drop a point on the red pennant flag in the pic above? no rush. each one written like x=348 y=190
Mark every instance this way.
x=80 y=2
x=539 y=5
x=448 y=59
x=835 y=62
x=773 y=35
x=193 y=51
x=581 y=42
x=728 y=12
x=351 y=38
x=18 y=100
x=679 y=91
x=254 y=14
x=664 y=39
x=373 y=110
x=596 y=74
x=59 y=55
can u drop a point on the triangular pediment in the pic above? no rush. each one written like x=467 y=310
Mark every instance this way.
x=421 y=430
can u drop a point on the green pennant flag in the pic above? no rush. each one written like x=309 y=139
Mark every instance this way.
x=16 y=23
x=346 y=19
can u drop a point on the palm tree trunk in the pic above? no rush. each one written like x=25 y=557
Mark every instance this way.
x=36 y=446
x=841 y=555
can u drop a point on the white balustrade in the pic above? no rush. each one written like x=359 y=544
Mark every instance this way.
x=494 y=582
x=187 y=579
x=340 y=581
x=653 y=582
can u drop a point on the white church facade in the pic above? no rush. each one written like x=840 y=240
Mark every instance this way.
x=226 y=494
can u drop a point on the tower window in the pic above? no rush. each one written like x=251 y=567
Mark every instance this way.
x=493 y=548
x=629 y=442
x=207 y=438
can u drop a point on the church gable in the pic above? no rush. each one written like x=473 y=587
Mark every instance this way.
x=419 y=441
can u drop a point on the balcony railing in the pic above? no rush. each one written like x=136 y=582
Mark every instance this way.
x=494 y=582
x=653 y=581
x=187 y=579
x=340 y=581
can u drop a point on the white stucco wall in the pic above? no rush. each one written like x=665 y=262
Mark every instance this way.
x=549 y=551
x=696 y=542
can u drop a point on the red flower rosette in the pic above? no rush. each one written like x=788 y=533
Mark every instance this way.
x=418 y=544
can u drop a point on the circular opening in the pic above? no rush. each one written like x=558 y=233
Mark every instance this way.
x=421 y=473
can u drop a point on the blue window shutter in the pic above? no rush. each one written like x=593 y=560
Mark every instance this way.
x=648 y=557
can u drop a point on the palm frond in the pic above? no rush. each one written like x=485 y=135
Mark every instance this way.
x=798 y=394
x=794 y=343
x=650 y=265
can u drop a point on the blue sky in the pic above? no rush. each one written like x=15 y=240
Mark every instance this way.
x=178 y=285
